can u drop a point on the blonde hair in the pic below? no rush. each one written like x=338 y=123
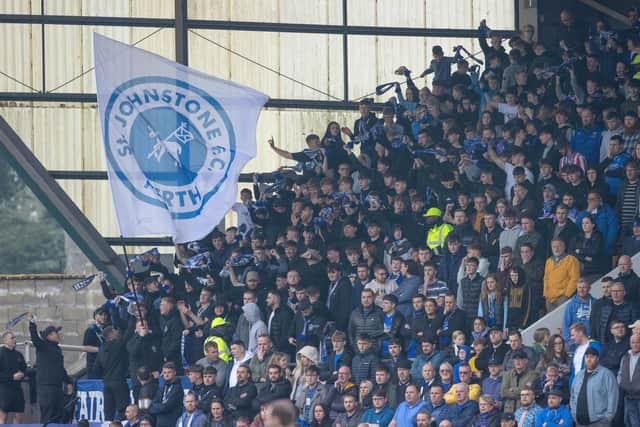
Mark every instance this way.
x=541 y=335
x=456 y=334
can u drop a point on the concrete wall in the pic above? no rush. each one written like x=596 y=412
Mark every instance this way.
x=52 y=300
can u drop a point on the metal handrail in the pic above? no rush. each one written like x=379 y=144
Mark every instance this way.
x=28 y=345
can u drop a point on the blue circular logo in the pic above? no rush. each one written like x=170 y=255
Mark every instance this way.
x=170 y=143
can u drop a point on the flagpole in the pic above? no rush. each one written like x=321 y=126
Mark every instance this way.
x=129 y=276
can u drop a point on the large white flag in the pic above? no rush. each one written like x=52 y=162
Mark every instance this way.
x=175 y=141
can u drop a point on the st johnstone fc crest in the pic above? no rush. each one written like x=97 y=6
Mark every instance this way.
x=170 y=143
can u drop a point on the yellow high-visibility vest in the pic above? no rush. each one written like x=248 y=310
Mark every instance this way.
x=223 y=348
x=437 y=234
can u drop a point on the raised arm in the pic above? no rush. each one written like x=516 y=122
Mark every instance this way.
x=492 y=156
x=33 y=331
x=279 y=151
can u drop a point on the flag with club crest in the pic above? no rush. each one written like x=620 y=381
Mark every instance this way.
x=175 y=141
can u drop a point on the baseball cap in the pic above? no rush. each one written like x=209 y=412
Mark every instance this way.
x=520 y=355
x=49 y=330
x=494 y=362
x=403 y=364
x=218 y=321
x=433 y=212
x=592 y=351
x=507 y=416
x=555 y=392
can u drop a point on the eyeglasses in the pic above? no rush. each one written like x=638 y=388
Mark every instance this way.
x=445 y=370
x=464 y=373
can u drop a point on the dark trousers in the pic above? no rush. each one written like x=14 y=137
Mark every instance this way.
x=116 y=398
x=50 y=399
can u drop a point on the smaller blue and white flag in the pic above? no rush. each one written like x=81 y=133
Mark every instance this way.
x=141 y=257
x=78 y=286
x=175 y=141
x=197 y=262
x=13 y=322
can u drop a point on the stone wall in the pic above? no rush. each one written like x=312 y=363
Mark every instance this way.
x=52 y=300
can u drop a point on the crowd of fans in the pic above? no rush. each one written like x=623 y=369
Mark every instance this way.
x=385 y=279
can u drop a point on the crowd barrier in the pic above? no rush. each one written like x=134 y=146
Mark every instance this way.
x=90 y=404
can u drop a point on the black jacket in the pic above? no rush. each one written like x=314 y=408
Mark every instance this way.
x=490 y=243
x=167 y=404
x=171 y=327
x=372 y=324
x=111 y=363
x=330 y=365
x=397 y=322
x=143 y=351
x=11 y=362
x=145 y=391
x=448 y=269
x=625 y=312
x=49 y=360
x=592 y=248
x=568 y=233
x=596 y=312
x=239 y=400
x=425 y=327
x=471 y=296
x=315 y=327
x=489 y=353
x=612 y=354
x=363 y=366
x=454 y=321
x=279 y=327
x=631 y=283
x=339 y=303
x=206 y=395
x=272 y=391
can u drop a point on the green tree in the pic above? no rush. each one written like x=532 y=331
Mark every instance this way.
x=33 y=241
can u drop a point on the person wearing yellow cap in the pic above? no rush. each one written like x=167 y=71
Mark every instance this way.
x=438 y=230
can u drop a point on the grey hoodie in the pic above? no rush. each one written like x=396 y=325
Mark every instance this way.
x=258 y=327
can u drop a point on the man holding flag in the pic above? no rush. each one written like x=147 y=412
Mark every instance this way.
x=50 y=371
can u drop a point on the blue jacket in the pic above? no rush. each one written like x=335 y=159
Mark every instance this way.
x=382 y=418
x=461 y=415
x=577 y=311
x=587 y=142
x=405 y=292
x=614 y=173
x=607 y=223
x=167 y=404
x=559 y=417
x=602 y=394
x=198 y=419
x=416 y=368
x=439 y=413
